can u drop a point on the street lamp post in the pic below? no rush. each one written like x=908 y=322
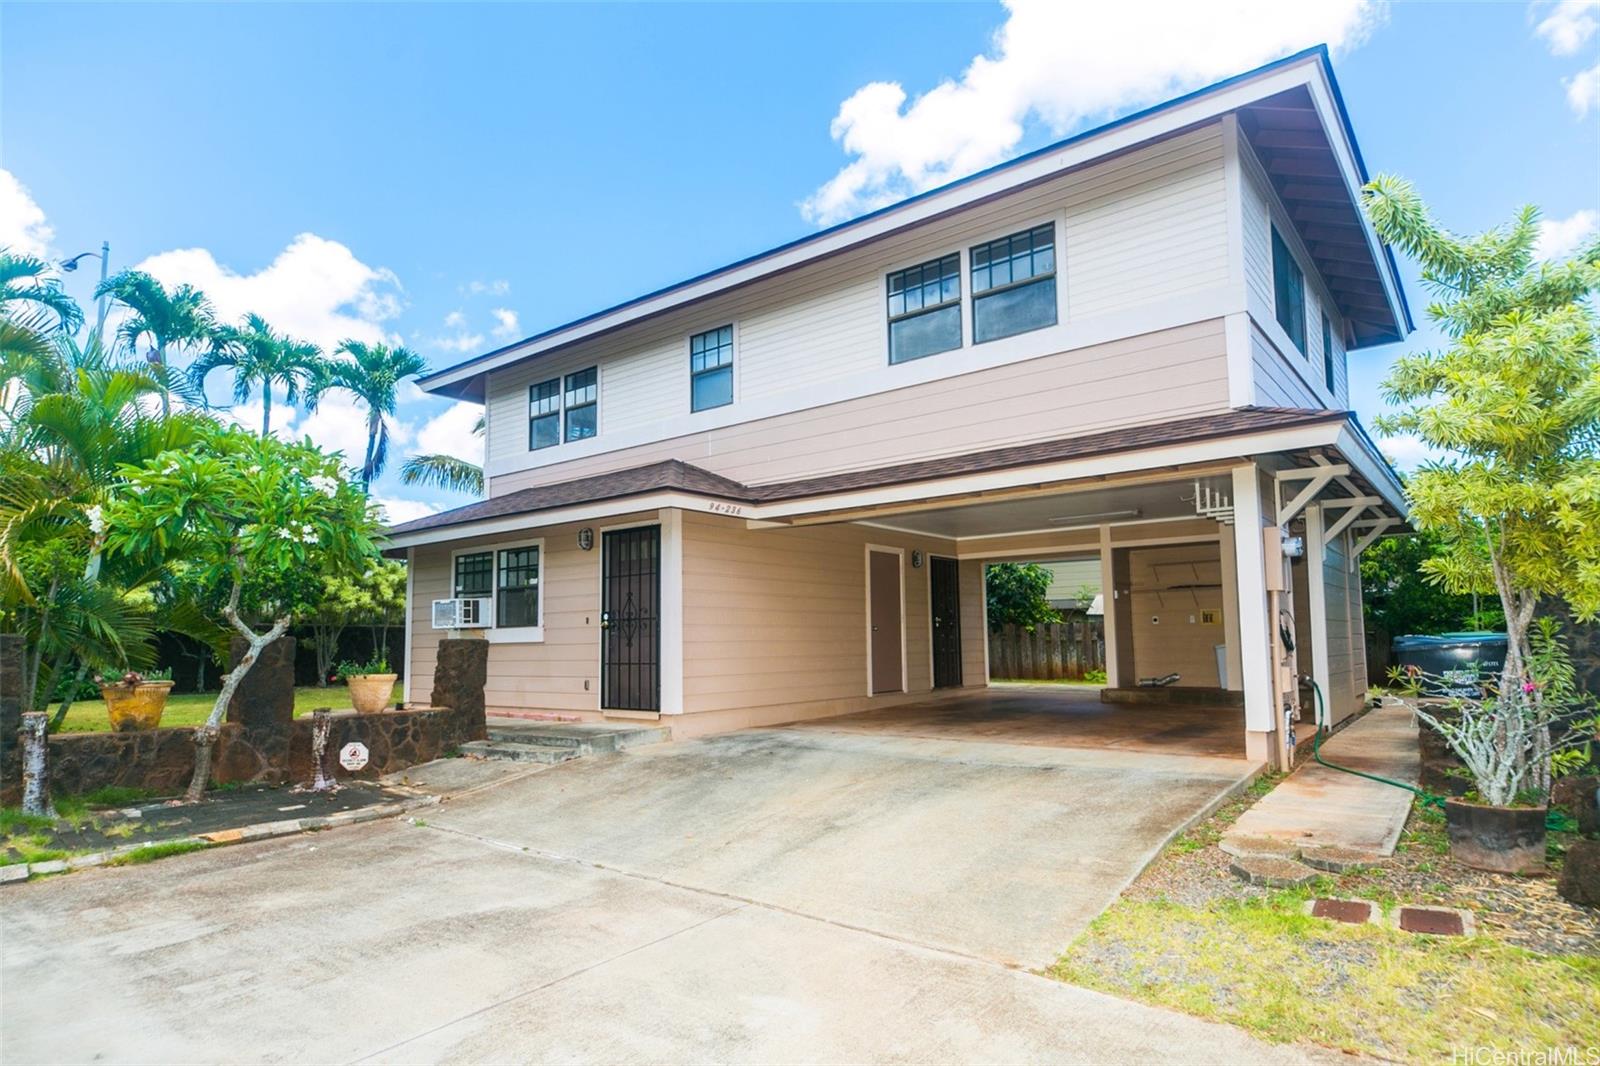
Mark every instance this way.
x=104 y=256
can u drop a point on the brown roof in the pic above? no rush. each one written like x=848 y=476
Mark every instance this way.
x=675 y=474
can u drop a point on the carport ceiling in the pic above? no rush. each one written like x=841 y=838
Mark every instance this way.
x=1089 y=507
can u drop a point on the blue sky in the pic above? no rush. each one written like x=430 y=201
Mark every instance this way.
x=459 y=176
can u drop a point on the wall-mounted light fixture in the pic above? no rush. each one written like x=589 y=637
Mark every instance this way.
x=916 y=560
x=585 y=538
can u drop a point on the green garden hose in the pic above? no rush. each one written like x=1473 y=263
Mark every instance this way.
x=1553 y=820
x=1428 y=798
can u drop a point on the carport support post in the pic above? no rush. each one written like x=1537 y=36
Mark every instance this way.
x=1109 y=607
x=1317 y=594
x=1255 y=628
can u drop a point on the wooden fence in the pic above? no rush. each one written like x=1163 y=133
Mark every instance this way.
x=1060 y=650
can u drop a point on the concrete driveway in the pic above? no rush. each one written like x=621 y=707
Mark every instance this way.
x=776 y=895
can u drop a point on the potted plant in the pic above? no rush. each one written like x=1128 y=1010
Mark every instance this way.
x=135 y=700
x=1510 y=745
x=371 y=684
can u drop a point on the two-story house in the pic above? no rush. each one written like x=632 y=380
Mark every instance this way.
x=770 y=492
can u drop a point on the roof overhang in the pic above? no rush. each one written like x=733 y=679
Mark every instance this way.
x=900 y=490
x=1308 y=72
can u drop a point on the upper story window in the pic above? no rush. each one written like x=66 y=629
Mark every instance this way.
x=1327 y=352
x=925 y=309
x=1014 y=284
x=544 y=414
x=509 y=578
x=582 y=402
x=711 y=369
x=1289 y=292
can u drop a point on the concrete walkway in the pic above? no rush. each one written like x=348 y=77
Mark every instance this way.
x=1317 y=807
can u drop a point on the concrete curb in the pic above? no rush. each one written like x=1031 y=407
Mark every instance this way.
x=16 y=873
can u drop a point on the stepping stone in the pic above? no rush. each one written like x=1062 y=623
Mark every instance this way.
x=1271 y=872
x=1349 y=911
x=49 y=866
x=1339 y=860
x=17 y=871
x=1257 y=847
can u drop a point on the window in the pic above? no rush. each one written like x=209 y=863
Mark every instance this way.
x=582 y=403
x=509 y=578
x=544 y=414
x=517 y=603
x=1327 y=352
x=1014 y=284
x=474 y=579
x=711 y=369
x=1289 y=292
x=925 y=309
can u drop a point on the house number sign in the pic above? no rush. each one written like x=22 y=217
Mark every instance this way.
x=353 y=756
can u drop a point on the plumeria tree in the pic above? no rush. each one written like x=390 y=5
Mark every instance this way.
x=1513 y=403
x=263 y=519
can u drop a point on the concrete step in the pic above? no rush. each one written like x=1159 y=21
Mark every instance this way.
x=510 y=751
x=589 y=737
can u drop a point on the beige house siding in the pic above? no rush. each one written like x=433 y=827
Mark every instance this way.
x=1146 y=229
x=545 y=676
x=1347 y=657
x=777 y=617
x=1287 y=374
x=1171 y=374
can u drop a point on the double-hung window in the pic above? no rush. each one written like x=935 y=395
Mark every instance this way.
x=582 y=402
x=507 y=577
x=711 y=369
x=1327 y=352
x=1014 y=284
x=1289 y=292
x=544 y=414
x=925 y=309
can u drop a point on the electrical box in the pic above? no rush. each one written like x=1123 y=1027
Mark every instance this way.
x=1272 y=549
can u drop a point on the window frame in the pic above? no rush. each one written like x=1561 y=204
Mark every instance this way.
x=732 y=326
x=1275 y=241
x=567 y=409
x=1328 y=377
x=492 y=629
x=547 y=414
x=1054 y=276
x=959 y=303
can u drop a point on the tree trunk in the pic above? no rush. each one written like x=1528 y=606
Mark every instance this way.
x=36 y=765
x=72 y=694
x=266 y=409
x=325 y=638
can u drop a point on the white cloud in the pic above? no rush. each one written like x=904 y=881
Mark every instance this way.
x=450 y=433
x=339 y=424
x=1560 y=237
x=455 y=320
x=506 y=323
x=1407 y=452
x=1061 y=64
x=396 y=510
x=23 y=228
x=1569 y=24
x=1583 y=91
x=315 y=289
x=497 y=287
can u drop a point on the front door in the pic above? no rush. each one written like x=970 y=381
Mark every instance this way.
x=945 y=595
x=630 y=616
x=883 y=598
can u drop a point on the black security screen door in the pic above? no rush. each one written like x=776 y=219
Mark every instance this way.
x=630 y=634
x=946 y=597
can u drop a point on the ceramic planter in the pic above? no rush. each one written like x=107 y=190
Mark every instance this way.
x=371 y=693
x=138 y=706
x=1506 y=840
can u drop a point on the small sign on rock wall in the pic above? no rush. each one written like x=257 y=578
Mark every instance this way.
x=353 y=756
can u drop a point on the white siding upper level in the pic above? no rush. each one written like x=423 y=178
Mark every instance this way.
x=1141 y=245
x=1173 y=233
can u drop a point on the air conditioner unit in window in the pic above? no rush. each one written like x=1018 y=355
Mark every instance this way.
x=460 y=613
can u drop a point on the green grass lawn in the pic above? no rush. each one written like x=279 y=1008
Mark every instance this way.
x=191 y=708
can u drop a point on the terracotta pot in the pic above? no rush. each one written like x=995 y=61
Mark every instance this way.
x=132 y=707
x=1505 y=840
x=371 y=693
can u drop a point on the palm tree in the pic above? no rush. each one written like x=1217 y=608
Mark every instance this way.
x=445 y=471
x=31 y=282
x=258 y=356
x=180 y=317
x=373 y=373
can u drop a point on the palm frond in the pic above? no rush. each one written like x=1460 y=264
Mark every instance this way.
x=443 y=472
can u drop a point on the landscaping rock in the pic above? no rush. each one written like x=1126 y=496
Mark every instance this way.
x=49 y=866
x=1271 y=872
x=17 y=871
x=1580 y=877
x=1578 y=795
x=1241 y=846
x=264 y=700
x=1339 y=860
